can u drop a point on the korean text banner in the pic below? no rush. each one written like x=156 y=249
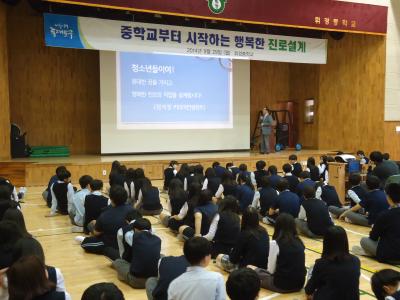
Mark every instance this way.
x=91 y=33
x=316 y=14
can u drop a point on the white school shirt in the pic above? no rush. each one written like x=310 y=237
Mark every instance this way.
x=218 y=193
x=353 y=196
x=197 y=284
x=256 y=199
x=130 y=190
x=78 y=206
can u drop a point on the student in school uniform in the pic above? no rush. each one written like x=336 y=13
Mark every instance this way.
x=5 y=201
x=362 y=158
x=323 y=168
x=205 y=217
x=313 y=169
x=197 y=283
x=374 y=204
x=243 y=284
x=304 y=181
x=260 y=172
x=129 y=185
x=385 y=284
x=287 y=202
x=169 y=173
x=117 y=174
x=274 y=178
x=77 y=209
x=146 y=248
x=250 y=175
x=125 y=235
x=62 y=193
x=268 y=196
x=383 y=168
x=219 y=170
x=108 y=224
x=14 y=195
x=177 y=197
x=229 y=185
x=384 y=239
x=228 y=227
x=233 y=169
x=292 y=179
x=95 y=203
x=183 y=175
x=245 y=193
x=169 y=268
x=336 y=275
x=286 y=271
x=103 y=291
x=328 y=194
x=139 y=177
x=252 y=246
x=296 y=166
x=149 y=203
x=47 y=192
x=212 y=182
x=314 y=218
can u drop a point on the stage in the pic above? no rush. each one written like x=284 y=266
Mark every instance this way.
x=37 y=171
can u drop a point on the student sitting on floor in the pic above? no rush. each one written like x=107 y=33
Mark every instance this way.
x=313 y=169
x=243 y=284
x=205 y=218
x=288 y=175
x=245 y=192
x=108 y=224
x=169 y=268
x=274 y=178
x=250 y=175
x=15 y=196
x=260 y=172
x=125 y=235
x=9 y=236
x=95 y=203
x=314 y=218
x=170 y=173
x=77 y=209
x=385 y=284
x=5 y=200
x=384 y=239
x=183 y=176
x=286 y=271
x=219 y=170
x=47 y=192
x=197 y=283
x=252 y=247
x=287 y=202
x=62 y=193
x=296 y=166
x=268 y=196
x=374 y=204
x=139 y=178
x=336 y=275
x=229 y=185
x=146 y=248
x=304 y=180
x=103 y=291
x=328 y=194
x=324 y=168
x=117 y=174
x=177 y=197
x=228 y=227
x=15 y=215
x=233 y=169
x=129 y=185
x=383 y=168
x=212 y=182
x=198 y=175
x=148 y=203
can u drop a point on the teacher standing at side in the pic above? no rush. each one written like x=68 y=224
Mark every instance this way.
x=266 y=130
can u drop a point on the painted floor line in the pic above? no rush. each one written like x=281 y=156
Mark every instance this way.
x=271 y=296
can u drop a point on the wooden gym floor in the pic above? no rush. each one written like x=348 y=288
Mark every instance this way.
x=81 y=270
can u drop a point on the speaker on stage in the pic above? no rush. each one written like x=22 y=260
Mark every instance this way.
x=19 y=148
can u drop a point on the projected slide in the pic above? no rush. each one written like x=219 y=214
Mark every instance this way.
x=156 y=91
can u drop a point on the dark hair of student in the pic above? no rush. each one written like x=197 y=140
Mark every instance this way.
x=304 y=174
x=243 y=167
x=285 y=229
x=246 y=180
x=103 y=291
x=379 y=280
x=229 y=204
x=324 y=159
x=210 y=172
x=133 y=215
x=272 y=170
x=243 y=284
x=376 y=156
x=336 y=244
x=251 y=222
x=265 y=182
x=118 y=195
x=373 y=182
x=172 y=163
x=5 y=192
x=229 y=164
x=28 y=247
x=198 y=169
x=115 y=166
x=227 y=178
x=27 y=279
x=354 y=178
x=194 y=190
x=9 y=235
x=142 y=224
x=130 y=174
x=122 y=169
x=287 y=168
x=293 y=157
x=84 y=181
x=282 y=185
x=260 y=165
x=184 y=170
x=330 y=159
x=205 y=197
x=196 y=249
x=139 y=173
x=309 y=192
x=311 y=162
x=360 y=152
x=175 y=188
x=16 y=216
x=60 y=169
x=146 y=185
x=393 y=191
x=63 y=175
x=386 y=156
x=215 y=164
x=96 y=185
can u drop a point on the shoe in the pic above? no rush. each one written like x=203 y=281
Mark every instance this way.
x=77 y=229
x=357 y=250
x=51 y=214
x=79 y=239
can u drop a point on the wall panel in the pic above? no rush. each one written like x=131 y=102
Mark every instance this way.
x=392 y=140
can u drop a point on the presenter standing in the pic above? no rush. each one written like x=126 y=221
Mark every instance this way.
x=266 y=130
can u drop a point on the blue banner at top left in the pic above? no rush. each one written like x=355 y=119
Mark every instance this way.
x=62 y=31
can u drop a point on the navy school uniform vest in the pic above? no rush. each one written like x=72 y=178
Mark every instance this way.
x=375 y=203
x=318 y=218
x=168 y=176
x=330 y=196
x=268 y=198
x=293 y=182
x=146 y=248
x=297 y=169
x=245 y=195
x=274 y=180
x=289 y=203
x=177 y=202
x=230 y=189
x=213 y=184
x=151 y=199
x=208 y=213
x=60 y=190
x=314 y=173
x=219 y=171
x=94 y=206
x=258 y=175
x=228 y=229
x=127 y=255
x=360 y=192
